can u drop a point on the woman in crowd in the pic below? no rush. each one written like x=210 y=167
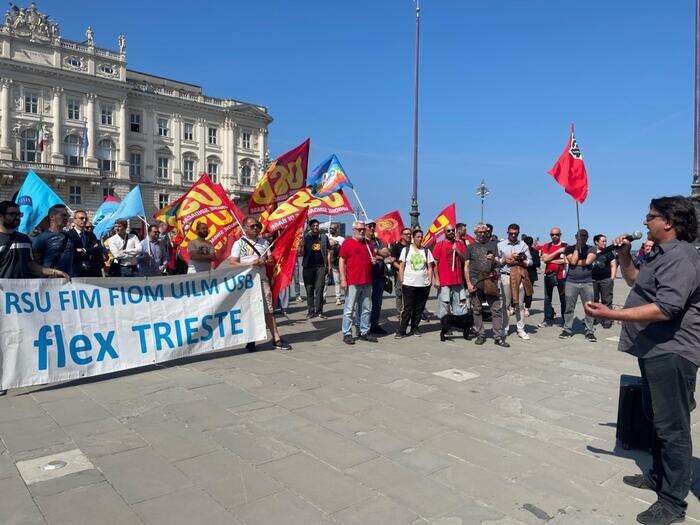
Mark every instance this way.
x=416 y=276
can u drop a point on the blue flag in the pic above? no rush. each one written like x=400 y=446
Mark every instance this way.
x=130 y=207
x=328 y=177
x=34 y=199
x=107 y=208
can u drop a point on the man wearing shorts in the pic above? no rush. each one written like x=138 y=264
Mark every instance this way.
x=253 y=250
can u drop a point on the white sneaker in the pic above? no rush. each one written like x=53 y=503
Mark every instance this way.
x=523 y=335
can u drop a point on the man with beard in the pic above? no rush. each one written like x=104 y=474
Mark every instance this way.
x=661 y=327
x=200 y=250
x=315 y=262
x=54 y=248
x=16 y=260
x=153 y=259
x=448 y=255
x=396 y=249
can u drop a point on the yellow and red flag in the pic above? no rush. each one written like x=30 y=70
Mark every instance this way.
x=204 y=202
x=388 y=227
x=284 y=254
x=333 y=204
x=445 y=217
x=285 y=176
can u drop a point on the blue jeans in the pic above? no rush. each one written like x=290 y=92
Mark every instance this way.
x=358 y=301
x=377 y=296
x=448 y=300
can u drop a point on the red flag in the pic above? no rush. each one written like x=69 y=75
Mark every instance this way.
x=332 y=205
x=389 y=226
x=284 y=254
x=445 y=217
x=570 y=171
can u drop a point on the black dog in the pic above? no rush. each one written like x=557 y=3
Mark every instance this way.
x=463 y=322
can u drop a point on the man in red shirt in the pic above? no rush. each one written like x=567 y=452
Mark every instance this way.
x=355 y=267
x=449 y=280
x=552 y=254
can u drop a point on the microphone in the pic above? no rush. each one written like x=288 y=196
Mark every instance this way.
x=629 y=236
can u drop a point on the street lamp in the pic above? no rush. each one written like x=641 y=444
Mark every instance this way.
x=482 y=192
x=414 y=213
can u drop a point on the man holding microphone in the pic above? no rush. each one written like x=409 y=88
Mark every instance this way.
x=661 y=327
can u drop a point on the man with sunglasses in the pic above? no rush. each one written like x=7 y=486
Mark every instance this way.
x=396 y=249
x=87 y=258
x=54 y=248
x=661 y=327
x=253 y=250
x=579 y=283
x=449 y=279
x=554 y=275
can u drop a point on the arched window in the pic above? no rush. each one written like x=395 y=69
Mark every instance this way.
x=72 y=151
x=213 y=164
x=29 y=146
x=246 y=175
x=106 y=155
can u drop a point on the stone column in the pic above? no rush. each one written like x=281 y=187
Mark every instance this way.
x=202 y=136
x=90 y=159
x=56 y=155
x=149 y=156
x=5 y=151
x=176 y=131
x=123 y=169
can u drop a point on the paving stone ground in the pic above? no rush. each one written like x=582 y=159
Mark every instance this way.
x=330 y=433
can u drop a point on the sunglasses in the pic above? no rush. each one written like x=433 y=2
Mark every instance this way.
x=359 y=229
x=256 y=226
x=555 y=234
x=449 y=231
x=652 y=216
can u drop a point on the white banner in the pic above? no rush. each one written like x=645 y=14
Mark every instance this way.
x=51 y=330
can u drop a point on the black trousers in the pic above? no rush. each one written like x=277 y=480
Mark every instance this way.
x=551 y=282
x=668 y=383
x=314 y=283
x=603 y=291
x=414 y=299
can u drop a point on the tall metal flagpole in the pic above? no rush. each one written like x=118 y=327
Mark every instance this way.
x=414 y=213
x=695 y=187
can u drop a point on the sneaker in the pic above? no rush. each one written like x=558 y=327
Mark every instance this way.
x=416 y=332
x=310 y=316
x=322 y=316
x=281 y=344
x=299 y=299
x=480 y=340
x=522 y=334
x=348 y=339
x=368 y=338
x=399 y=335
x=250 y=347
x=378 y=330
x=526 y=312
x=639 y=481
x=499 y=341
x=565 y=334
x=338 y=302
x=591 y=337
x=657 y=514
x=545 y=324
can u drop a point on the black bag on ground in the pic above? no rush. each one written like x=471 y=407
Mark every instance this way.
x=634 y=429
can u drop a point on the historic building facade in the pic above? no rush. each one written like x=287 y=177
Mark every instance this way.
x=88 y=126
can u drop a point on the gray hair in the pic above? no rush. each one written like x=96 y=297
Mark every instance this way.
x=357 y=224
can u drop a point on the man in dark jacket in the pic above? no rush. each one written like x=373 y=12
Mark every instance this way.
x=87 y=253
x=315 y=261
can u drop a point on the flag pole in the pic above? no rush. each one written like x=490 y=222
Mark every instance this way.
x=578 y=216
x=360 y=203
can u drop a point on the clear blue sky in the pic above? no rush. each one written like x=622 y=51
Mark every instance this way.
x=501 y=81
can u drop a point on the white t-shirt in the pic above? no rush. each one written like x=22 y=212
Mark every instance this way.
x=415 y=272
x=247 y=255
x=338 y=239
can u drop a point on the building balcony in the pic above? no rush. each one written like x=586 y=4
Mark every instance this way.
x=56 y=170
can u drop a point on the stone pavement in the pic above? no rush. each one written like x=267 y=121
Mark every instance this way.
x=404 y=431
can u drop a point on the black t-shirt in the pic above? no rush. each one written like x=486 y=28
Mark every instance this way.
x=55 y=250
x=579 y=274
x=313 y=252
x=601 y=266
x=15 y=255
x=476 y=255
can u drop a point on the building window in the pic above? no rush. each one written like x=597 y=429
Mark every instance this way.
x=73 y=109
x=106 y=155
x=72 y=151
x=246 y=175
x=188 y=133
x=106 y=115
x=245 y=140
x=135 y=122
x=74 y=62
x=163 y=200
x=74 y=195
x=188 y=169
x=163 y=127
x=107 y=69
x=107 y=192
x=163 y=168
x=135 y=166
x=212 y=133
x=31 y=102
x=29 y=149
x=213 y=171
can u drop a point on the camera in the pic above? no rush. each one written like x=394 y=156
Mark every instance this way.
x=520 y=257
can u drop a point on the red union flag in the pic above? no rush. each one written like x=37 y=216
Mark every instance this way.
x=285 y=176
x=284 y=254
x=204 y=202
x=445 y=217
x=333 y=204
x=388 y=227
x=570 y=171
